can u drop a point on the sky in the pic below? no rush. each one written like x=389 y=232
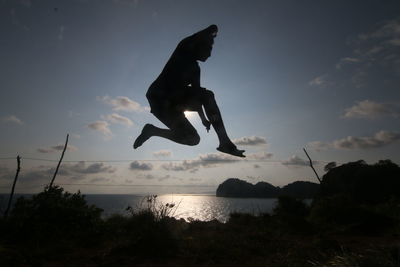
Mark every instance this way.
x=287 y=75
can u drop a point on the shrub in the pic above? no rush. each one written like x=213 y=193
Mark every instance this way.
x=53 y=214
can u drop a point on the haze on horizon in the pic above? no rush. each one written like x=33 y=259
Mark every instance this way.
x=286 y=75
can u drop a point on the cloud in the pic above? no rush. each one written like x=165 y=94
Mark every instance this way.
x=116 y=118
x=136 y=165
x=250 y=141
x=318 y=145
x=44 y=174
x=347 y=60
x=379 y=139
x=101 y=126
x=93 y=168
x=146 y=176
x=260 y=155
x=12 y=119
x=99 y=179
x=207 y=160
x=389 y=31
x=162 y=153
x=122 y=103
x=56 y=148
x=378 y=48
x=367 y=109
x=321 y=81
x=375 y=57
x=295 y=161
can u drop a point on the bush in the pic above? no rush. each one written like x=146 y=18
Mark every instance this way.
x=145 y=233
x=53 y=214
x=290 y=207
x=342 y=212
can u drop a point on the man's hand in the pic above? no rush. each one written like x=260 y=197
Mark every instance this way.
x=207 y=124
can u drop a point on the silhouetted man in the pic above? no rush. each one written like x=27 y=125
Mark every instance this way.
x=177 y=89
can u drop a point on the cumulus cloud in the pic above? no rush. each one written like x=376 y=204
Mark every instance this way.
x=116 y=118
x=295 y=161
x=77 y=171
x=12 y=119
x=56 y=148
x=319 y=145
x=207 y=160
x=380 y=139
x=260 y=156
x=140 y=166
x=93 y=168
x=162 y=153
x=122 y=103
x=250 y=141
x=368 y=109
x=102 y=127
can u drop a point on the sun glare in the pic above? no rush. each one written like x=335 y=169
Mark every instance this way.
x=189 y=114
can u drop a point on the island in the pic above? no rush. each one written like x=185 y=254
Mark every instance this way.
x=234 y=187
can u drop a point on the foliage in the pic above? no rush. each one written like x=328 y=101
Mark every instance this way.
x=150 y=205
x=363 y=183
x=52 y=214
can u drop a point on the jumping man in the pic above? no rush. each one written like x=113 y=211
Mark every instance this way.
x=177 y=89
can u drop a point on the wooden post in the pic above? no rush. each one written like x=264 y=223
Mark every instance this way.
x=13 y=187
x=311 y=165
x=59 y=162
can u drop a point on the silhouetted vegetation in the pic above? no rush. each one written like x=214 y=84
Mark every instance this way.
x=344 y=226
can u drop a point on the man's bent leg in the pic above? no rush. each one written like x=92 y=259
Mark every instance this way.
x=181 y=131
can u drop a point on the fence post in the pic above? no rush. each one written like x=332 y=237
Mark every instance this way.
x=311 y=165
x=13 y=187
x=59 y=162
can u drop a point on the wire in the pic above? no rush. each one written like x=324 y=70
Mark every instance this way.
x=154 y=160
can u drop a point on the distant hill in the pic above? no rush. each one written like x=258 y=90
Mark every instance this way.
x=362 y=182
x=234 y=187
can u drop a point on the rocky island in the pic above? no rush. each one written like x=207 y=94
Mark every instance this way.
x=234 y=187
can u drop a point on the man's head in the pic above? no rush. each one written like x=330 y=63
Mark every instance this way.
x=203 y=42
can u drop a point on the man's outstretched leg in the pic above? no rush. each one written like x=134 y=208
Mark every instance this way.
x=214 y=116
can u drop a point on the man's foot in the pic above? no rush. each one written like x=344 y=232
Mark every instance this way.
x=232 y=150
x=146 y=134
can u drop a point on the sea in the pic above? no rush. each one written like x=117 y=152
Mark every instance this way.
x=186 y=206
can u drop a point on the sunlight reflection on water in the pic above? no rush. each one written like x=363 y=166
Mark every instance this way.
x=197 y=207
x=206 y=208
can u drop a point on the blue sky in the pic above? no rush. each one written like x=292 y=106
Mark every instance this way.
x=286 y=75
